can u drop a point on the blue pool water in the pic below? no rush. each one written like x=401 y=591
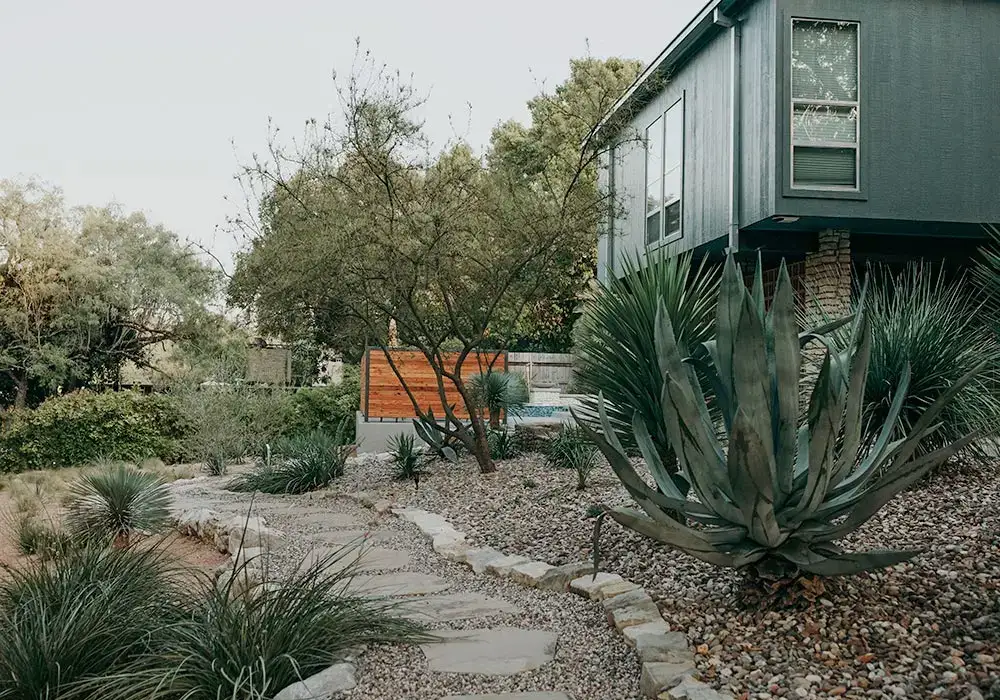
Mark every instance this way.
x=532 y=411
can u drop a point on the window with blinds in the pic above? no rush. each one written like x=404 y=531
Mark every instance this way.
x=825 y=104
x=664 y=174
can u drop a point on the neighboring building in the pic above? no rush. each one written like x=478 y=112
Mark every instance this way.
x=822 y=131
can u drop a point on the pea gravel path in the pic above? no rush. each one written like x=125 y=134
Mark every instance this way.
x=589 y=661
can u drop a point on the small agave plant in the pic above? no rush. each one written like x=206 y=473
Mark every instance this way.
x=771 y=491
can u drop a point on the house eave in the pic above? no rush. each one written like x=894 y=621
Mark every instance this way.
x=687 y=41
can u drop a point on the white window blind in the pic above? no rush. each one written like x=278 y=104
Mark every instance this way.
x=825 y=104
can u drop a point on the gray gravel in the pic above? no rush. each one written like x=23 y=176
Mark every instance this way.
x=928 y=628
x=591 y=661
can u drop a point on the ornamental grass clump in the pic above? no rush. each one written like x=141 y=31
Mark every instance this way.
x=298 y=464
x=774 y=490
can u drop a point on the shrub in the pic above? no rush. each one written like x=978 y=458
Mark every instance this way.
x=500 y=393
x=504 y=443
x=83 y=616
x=777 y=490
x=572 y=449
x=406 y=458
x=325 y=408
x=935 y=327
x=83 y=426
x=617 y=353
x=113 y=504
x=35 y=537
x=299 y=464
x=233 y=421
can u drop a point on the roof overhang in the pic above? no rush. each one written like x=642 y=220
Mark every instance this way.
x=708 y=20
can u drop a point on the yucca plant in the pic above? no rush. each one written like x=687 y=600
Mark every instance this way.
x=500 y=393
x=777 y=491
x=298 y=464
x=937 y=327
x=571 y=448
x=617 y=351
x=115 y=503
x=406 y=458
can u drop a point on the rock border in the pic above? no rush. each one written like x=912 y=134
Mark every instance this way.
x=667 y=660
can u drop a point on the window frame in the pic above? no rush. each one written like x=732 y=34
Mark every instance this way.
x=786 y=105
x=663 y=238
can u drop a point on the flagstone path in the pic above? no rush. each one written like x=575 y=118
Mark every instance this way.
x=495 y=637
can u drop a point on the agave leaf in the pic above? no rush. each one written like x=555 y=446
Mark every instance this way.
x=690 y=541
x=449 y=454
x=722 y=399
x=848 y=564
x=640 y=491
x=731 y=291
x=807 y=336
x=750 y=467
x=757 y=294
x=787 y=368
x=660 y=475
x=752 y=383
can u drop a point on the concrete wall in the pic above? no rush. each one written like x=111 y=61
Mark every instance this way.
x=373 y=436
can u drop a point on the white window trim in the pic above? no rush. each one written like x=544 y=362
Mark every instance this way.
x=793 y=103
x=663 y=238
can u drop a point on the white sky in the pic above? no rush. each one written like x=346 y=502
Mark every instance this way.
x=154 y=104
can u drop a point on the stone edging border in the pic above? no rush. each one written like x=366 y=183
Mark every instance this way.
x=667 y=659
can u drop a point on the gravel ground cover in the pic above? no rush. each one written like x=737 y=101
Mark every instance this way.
x=591 y=660
x=928 y=628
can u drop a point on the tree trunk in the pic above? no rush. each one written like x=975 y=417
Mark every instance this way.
x=482 y=447
x=21 y=384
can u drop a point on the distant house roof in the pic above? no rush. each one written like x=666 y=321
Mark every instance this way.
x=688 y=40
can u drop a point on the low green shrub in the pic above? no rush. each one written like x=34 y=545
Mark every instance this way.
x=36 y=537
x=230 y=422
x=504 y=443
x=112 y=504
x=572 y=449
x=407 y=459
x=298 y=464
x=326 y=407
x=82 y=427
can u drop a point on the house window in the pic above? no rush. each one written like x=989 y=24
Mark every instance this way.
x=825 y=105
x=664 y=175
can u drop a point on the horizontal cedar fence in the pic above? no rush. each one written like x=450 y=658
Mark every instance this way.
x=382 y=396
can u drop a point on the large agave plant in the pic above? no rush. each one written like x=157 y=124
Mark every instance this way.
x=772 y=490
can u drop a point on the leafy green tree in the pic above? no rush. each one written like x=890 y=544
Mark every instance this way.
x=84 y=290
x=549 y=148
x=364 y=221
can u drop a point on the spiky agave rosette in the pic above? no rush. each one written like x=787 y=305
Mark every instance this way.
x=770 y=490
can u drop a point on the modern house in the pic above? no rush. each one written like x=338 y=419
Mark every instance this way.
x=822 y=131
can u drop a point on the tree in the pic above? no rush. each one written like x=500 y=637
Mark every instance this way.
x=84 y=290
x=363 y=221
x=550 y=148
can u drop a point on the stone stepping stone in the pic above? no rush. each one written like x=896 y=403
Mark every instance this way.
x=512 y=696
x=502 y=651
x=457 y=606
x=350 y=536
x=363 y=559
x=403 y=583
x=323 y=518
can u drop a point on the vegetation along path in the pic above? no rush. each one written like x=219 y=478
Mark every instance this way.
x=497 y=639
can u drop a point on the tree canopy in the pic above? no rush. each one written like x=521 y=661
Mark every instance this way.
x=84 y=290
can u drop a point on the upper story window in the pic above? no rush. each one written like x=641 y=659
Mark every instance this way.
x=825 y=105
x=664 y=174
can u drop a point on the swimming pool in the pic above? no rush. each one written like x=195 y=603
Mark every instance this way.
x=536 y=411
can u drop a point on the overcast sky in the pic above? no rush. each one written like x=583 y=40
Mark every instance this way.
x=154 y=104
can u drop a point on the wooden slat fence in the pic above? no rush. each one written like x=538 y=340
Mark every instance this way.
x=383 y=397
